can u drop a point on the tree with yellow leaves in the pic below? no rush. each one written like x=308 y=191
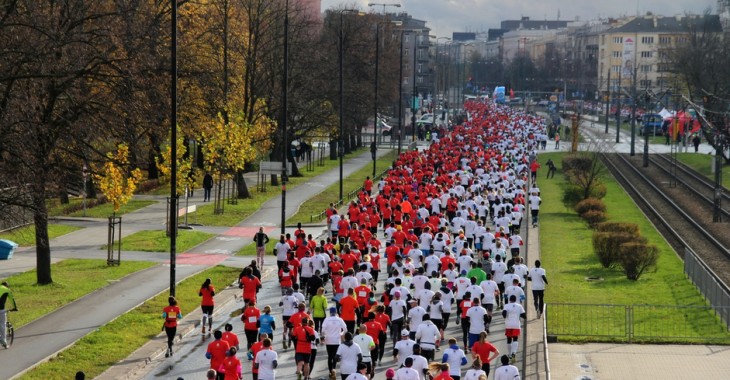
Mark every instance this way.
x=228 y=147
x=186 y=171
x=115 y=180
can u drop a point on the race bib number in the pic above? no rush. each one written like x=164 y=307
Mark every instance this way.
x=362 y=294
x=251 y=319
x=467 y=304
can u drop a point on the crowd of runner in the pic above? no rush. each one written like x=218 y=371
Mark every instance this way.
x=440 y=242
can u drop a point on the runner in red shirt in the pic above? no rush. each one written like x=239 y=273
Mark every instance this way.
x=171 y=313
x=207 y=291
x=250 y=318
x=250 y=285
x=368 y=185
x=303 y=335
x=232 y=366
x=258 y=346
x=482 y=349
x=348 y=309
x=216 y=352
x=230 y=337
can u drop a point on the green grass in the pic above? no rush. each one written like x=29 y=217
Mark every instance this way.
x=101 y=349
x=321 y=201
x=158 y=241
x=25 y=236
x=567 y=254
x=234 y=214
x=73 y=279
x=55 y=208
x=702 y=163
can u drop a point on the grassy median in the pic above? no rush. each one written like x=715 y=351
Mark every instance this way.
x=158 y=241
x=25 y=236
x=567 y=254
x=117 y=339
x=35 y=301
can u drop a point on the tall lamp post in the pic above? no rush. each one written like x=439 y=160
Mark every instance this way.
x=341 y=140
x=285 y=111
x=173 y=145
x=377 y=57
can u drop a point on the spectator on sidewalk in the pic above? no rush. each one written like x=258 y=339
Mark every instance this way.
x=207 y=186
x=261 y=240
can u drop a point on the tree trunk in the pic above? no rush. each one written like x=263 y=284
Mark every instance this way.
x=241 y=186
x=334 y=147
x=154 y=153
x=42 y=249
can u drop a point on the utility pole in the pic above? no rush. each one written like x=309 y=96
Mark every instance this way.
x=633 y=113
x=608 y=97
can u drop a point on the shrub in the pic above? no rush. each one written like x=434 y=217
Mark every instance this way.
x=607 y=245
x=574 y=164
x=590 y=204
x=629 y=228
x=593 y=217
x=572 y=194
x=636 y=257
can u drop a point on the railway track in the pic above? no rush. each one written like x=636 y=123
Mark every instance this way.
x=698 y=184
x=681 y=216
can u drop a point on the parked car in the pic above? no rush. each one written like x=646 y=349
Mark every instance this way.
x=652 y=124
x=543 y=103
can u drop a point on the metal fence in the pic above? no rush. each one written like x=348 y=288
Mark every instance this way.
x=715 y=291
x=637 y=323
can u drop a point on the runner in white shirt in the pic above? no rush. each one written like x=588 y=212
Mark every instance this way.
x=419 y=281
x=539 y=281
x=416 y=255
x=415 y=316
x=515 y=290
x=424 y=241
x=334 y=225
x=455 y=357
x=361 y=373
x=499 y=268
x=281 y=248
x=477 y=320
x=489 y=298
x=506 y=371
x=266 y=361
x=403 y=348
x=476 y=371
x=348 y=354
x=420 y=364
x=432 y=264
x=461 y=284
x=464 y=261
x=512 y=313
x=333 y=328
x=407 y=373
x=367 y=345
x=427 y=336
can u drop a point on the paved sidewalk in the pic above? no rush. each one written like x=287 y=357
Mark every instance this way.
x=45 y=337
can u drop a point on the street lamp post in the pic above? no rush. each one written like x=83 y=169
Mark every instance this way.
x=285 y=111
x=173 y=146
x=400 y=97
x=341 y=140
x=377 y=57
x=414 y=96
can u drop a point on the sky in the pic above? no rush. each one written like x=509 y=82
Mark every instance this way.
x=447 y=16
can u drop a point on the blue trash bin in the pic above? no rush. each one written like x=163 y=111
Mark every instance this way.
x=7 y=248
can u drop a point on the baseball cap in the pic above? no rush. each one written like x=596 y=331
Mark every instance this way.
x=396 y=294
x=390 y=373
x=404 y=332
x=333 y=310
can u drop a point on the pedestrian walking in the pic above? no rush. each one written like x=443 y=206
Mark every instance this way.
x=207 y=186
x=557 y=140
x=551 y=168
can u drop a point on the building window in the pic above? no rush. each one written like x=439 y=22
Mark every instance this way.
x=647 y=40
x=681 y=40
x=645 y=83
x=616 y=69
x=406 y=38
x=617 y=54
x=618 y=40
x=647 y=54
x=662 y=83
x=419 y=69
x=420 y=80
x=645 y=68
x=665 y=40
x=405 y=81
x=663 y=54
x=406 y=53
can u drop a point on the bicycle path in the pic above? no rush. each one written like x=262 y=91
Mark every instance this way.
x=45 y=337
